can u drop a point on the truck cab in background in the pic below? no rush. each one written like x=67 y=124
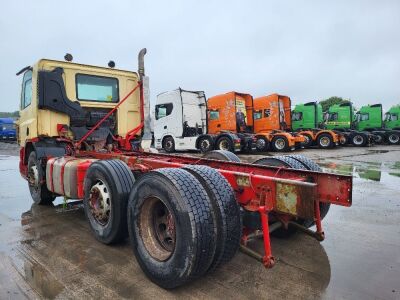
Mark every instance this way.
x=180 y=121
x=392 y=118
x=8 y=130
x=307 y=119
x=341 y=118
x=272 y=124
x=369 y=118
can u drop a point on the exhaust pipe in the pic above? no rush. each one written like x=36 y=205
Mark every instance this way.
x=147 y=135
x=141 y=55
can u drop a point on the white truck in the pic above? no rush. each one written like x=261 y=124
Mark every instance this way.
x=180 y=123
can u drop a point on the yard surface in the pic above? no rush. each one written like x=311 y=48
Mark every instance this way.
x=49 y=252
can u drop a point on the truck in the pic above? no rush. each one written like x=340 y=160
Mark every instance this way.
x=392 y=118
x=84 y=134
x=7 y=129
x=272 y=124
x=341 y=119
x=370 y=118
x=181 y=123
x=230 y=116
x=307 y=119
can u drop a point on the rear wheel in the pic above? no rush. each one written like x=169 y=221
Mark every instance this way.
x=394 y=138
x=325 y=141
x=226 y=212
x=224 y=143
x=169 y=144
x=280 y=144
x=171 y=228
x=262 y=144
x=222 y=155
x=107 y=187
x=39 y=192
x=379 y=138
x=309 y=140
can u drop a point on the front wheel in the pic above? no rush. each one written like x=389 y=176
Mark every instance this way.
x=205 y=144
x=169 y=144
x=359 y=140
x=39 y=192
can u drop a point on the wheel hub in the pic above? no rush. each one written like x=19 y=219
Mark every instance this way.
x=358 y=140
x=394 y=138
x=280 y=144
x=260 y=144
x=100 y=203
x=223 y=145
x=205 y=144
x=324 y=142
x=157 y=228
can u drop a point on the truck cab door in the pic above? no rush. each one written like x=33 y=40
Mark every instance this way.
x=27 y=127
x=163 y=121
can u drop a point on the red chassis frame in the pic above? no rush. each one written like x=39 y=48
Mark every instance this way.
x=261 y=189
x=277 y=194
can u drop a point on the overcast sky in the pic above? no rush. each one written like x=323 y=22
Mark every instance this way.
x=308 y=50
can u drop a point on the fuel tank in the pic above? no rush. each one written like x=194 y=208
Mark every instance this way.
x=65 y=175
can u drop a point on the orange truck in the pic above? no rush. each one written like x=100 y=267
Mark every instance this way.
x=230 y=116
x=272 y=124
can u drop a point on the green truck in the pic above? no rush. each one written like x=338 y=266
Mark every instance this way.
x=307 y=119
x=342 y=119
x=369 y=118
x=392 y=118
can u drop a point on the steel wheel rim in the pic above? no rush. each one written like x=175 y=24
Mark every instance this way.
x=378 y=139
x=324 y=141
x=260 y=144
x=205 y=144
x=157 y=228
x=168 y=144
x=224 y=145
x=307 y=138
x=280 y=144
x=33 y=177
x=393 y=138
x=358 y=140
x=100 y=203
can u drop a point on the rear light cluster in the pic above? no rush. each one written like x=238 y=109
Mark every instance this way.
x=237 y=141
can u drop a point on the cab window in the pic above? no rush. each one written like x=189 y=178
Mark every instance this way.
x=364 y=117
x=257 y=114
x=394 y=117
x=96 y=88
x=163 y=110
x=26 y=95
x=214 y=114
x=297 y=116
x=332 y=117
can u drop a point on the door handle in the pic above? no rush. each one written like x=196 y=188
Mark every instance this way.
x=165 y=127
x=27 y=131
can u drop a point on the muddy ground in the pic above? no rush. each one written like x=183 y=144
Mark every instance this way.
x=49 y=252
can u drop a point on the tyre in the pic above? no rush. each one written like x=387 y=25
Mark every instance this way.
x=325 y=141
x=39 y=192
x=280 y=144
x=224 y=143
x=107 y=187
x=262 y=144
x=205 y=144
x=394 y=138
x=379 y=138
x=312 y=166
x=226 y=213
x=169 y=144
x=359 y=140
x=309 y=141
x=222 y=155
x=171 y=228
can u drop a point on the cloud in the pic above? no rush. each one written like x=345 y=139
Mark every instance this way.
x=309 y=50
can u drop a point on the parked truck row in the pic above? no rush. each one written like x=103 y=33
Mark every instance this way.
x=187 y=120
